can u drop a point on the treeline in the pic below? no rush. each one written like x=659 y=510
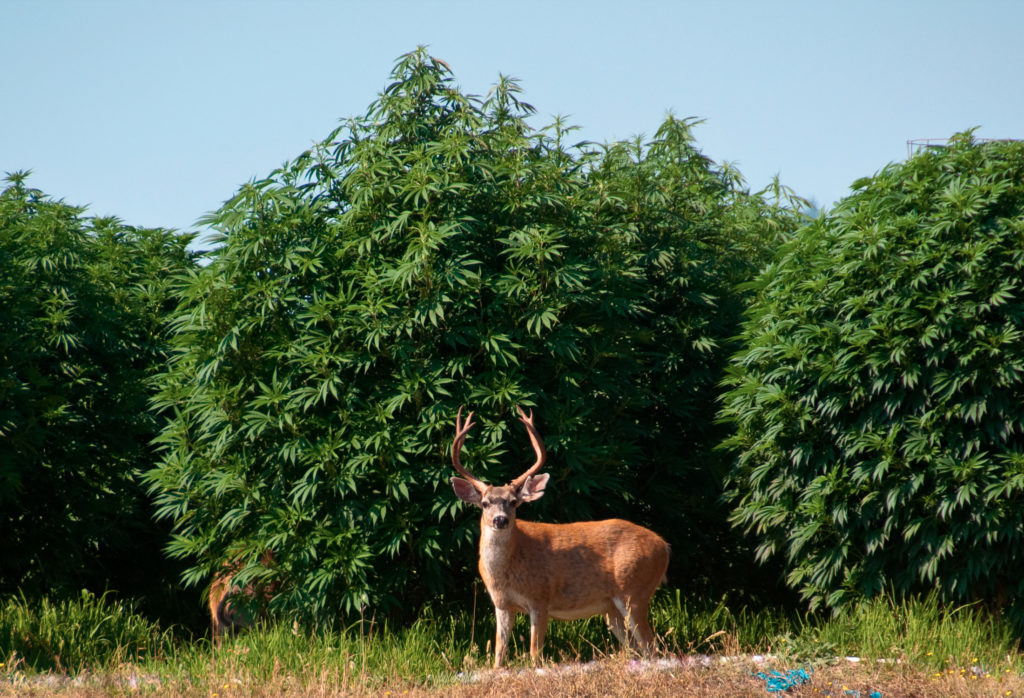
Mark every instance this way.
x=296 y=391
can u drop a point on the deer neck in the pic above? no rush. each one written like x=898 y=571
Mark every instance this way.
x=496 y=549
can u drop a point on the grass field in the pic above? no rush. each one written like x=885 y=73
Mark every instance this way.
x=96 y=647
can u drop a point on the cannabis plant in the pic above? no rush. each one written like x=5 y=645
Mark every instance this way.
x=81 y=332
x=877 y=401
x=439 y=251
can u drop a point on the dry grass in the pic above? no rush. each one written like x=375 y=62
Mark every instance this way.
x=613 y=676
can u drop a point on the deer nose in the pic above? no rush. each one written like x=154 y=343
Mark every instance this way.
x=500 y=521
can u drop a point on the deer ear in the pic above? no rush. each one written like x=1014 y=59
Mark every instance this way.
x=465 y=491
x=533 y=488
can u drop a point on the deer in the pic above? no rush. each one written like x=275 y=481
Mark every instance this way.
x=561 y=571
x=230 y=604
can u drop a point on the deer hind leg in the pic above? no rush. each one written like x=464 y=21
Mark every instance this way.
x=626 y=624
x=634 y=619
x=216 y=632
x=216 y=600
x=226 y=620
x=618 y=627
x=214 y=625
x=538 y=629
x=503 y=633
x=640 y=626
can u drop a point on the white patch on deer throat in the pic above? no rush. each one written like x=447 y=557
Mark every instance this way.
x=493 y=556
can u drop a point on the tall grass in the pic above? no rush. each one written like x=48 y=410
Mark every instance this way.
x=685 y=626
x=703 y=626
x=103 y=637
x=421 y=655
x=923 y=632
x=73 y=634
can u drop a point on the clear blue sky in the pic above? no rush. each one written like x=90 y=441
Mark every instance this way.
x=158 y=111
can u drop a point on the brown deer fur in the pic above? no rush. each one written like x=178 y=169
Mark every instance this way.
x=227 y=616
x=562 y=571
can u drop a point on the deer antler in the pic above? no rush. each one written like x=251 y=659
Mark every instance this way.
x=461 y=430
x=538 y=447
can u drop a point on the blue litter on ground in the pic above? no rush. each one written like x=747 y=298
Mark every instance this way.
x=777 y=682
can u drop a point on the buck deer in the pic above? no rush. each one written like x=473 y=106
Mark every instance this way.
x=562 y=571
x=227 y=615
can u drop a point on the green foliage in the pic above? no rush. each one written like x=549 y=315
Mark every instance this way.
x=921 y=631
x=439 y=252
x=877 y=399
x=81 y=306
x=89 y=632
x=677 y=235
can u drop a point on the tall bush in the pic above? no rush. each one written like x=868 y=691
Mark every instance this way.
x=877 y=401
x=678 y=235
x=439 y=252
x=81 y=306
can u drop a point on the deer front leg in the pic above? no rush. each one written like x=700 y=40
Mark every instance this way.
x=538 y=629
x=504 y=632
